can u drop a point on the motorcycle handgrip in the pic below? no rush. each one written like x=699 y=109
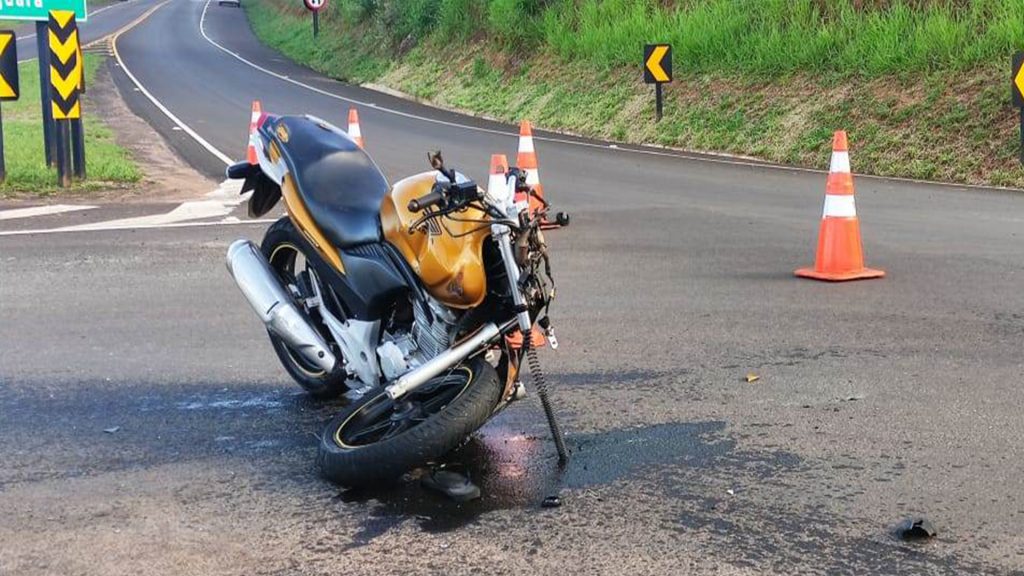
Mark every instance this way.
x=423 y=202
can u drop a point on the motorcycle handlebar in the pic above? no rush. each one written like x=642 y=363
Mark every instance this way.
x=432 y=199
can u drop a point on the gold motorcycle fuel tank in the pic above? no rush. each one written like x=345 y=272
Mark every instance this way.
x=447 y=254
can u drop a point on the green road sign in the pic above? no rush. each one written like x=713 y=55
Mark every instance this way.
x=40 y=9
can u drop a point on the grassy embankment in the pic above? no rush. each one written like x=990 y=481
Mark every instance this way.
x=107 y=164
x=922 y=86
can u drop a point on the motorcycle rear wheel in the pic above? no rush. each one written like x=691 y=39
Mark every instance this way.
x=377 y=439
x=284 y=248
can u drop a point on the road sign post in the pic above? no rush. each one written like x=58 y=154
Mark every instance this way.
x=9 y=87
x=1017 y=91
x=77 y=126
x=78 y=148
x=658 y=71
x=43 y=47
x=315 y=6
x=65 y=86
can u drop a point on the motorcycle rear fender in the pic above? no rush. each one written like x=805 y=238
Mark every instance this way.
x=266 y=192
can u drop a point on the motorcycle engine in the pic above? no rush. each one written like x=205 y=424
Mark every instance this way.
x=433 y=327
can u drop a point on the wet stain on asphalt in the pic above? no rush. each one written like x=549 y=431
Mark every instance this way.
x=516 y=470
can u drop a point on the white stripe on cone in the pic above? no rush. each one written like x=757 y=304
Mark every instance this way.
x=840 y=162
x=354 y=131
x=839 y=206
x=495 y=184
x=532 y=176
x=526 y=144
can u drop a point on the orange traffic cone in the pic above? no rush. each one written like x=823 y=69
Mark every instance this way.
x=254 y=122
x=840 y=254
x=527 y=160
x=353 y=127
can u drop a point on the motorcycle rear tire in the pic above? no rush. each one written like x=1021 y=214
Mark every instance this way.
x=282 y=235
x=440 y=433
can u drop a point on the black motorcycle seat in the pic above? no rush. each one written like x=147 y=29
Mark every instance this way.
x=340 y=185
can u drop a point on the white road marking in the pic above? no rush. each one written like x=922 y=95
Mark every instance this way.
x=68 y=230
x=41 y=211
x=170 y=115
x=216 y=204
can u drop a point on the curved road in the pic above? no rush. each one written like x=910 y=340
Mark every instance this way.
x=877 y=401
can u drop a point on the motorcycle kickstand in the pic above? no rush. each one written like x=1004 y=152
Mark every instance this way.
x=545 y=401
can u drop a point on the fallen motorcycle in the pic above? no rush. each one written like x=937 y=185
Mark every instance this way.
x=427 y=294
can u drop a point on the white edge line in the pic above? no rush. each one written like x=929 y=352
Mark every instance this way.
x=681 y=154
x=170 y=115
x=74 y=230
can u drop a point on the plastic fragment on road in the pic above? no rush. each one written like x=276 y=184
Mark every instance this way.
x=752 y=377
x=452 y=484
x=553 y=501
x=916 y=529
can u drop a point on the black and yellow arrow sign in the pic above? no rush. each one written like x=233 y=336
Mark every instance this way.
x=657 y=63
x=66 y=69
x=8 y=66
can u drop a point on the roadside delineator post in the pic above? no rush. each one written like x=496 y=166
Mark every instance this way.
x=66 y=70
x=840 y=253
x=354 y=132
x=254 y=121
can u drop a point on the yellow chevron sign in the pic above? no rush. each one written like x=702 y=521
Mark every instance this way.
x=8 y=66
x=66 y=70
x=657 y=63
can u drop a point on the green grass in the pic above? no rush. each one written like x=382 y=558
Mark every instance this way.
x=107 y=164
x=762 y=37
x=920 y=85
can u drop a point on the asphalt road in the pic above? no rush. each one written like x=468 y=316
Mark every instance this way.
x=877 y=401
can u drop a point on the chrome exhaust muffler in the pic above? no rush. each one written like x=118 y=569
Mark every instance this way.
x=445 y=360
x=272 y=303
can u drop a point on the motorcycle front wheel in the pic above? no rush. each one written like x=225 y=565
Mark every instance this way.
x=377 y=439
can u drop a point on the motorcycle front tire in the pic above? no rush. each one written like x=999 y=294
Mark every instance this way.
x=387 y=459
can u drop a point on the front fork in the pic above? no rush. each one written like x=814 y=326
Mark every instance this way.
x=502 y=236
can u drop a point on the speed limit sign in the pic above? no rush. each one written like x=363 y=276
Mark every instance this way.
x=315 y=5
